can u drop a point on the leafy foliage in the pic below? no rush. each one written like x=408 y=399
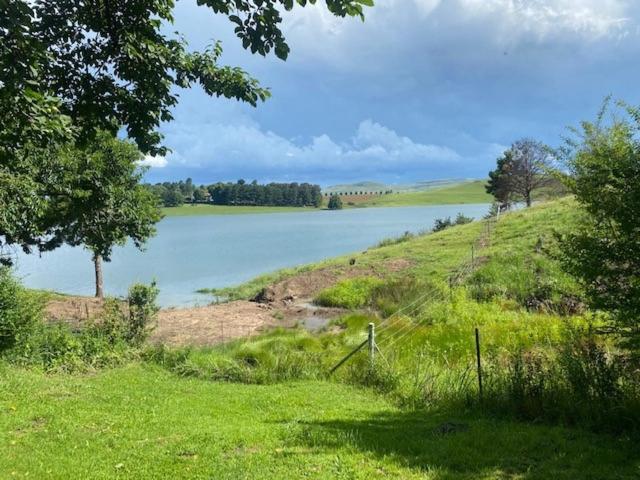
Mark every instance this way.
x=19 y=311
x=335 y=202
x=142 y=310
x=70 y=69
x=519 y=171
x=108 y=205
x=604 y=167
x=442 y=223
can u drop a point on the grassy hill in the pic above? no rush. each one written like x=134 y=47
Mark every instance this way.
x=466 y=192
x=266 y=407
x=395 y=187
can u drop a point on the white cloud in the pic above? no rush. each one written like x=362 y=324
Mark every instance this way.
x=152 y=161
x=372 y=148
x=433 y=31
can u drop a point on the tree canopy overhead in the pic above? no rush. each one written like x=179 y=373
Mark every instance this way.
x=108 y=64
x=72 y=68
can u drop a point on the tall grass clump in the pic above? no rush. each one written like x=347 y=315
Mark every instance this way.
x=533 y=280
x=350 y=294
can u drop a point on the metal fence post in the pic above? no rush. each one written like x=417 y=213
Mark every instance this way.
x=371 y=341
x=480 y=392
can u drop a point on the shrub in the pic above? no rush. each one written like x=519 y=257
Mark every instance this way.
x=142 y=310
x=461 y=219
x=335 y=202
x=442 y=223
x=130 y=325
x=20 y=311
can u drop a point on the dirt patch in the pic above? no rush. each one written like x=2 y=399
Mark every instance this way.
x=212 y=324
x=305 y=286
x=73 y=310
x=283 y=304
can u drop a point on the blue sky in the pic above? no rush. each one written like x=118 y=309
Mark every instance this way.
x=423 y=89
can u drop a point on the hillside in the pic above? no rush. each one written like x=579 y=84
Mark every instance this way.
x=265 y=405
x=395 y=187
x=466 y=192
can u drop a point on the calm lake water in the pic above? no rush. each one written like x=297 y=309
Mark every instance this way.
x=189 y=253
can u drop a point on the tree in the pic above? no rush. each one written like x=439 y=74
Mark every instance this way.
x=200 y=195
x=499 y=179
x=72 y=68
x=603 y=165
x=173 y=197
x=335 y=202
x=108 y=205
x=522 y=169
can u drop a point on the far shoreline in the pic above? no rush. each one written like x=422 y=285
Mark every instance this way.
x=460 y=194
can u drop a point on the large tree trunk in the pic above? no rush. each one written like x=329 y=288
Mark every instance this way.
x=97 y=262
x=527 y=198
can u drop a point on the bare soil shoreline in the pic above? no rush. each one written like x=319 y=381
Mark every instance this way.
x=286 y=304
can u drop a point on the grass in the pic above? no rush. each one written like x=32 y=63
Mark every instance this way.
x=467 y=192
x=265 y=407
x=142 y=422
x=436 y=255
x=200 y=209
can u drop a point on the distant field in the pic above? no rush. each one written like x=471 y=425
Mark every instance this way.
x=467 y=192
x=189 y=210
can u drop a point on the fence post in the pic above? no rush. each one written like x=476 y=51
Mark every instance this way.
x=473 y=255
x=480 y=392
x=371 y=342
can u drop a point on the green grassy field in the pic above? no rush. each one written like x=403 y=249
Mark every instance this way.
x=467 y=192
x=265 y=407
x=142 y=422
x=199 y=209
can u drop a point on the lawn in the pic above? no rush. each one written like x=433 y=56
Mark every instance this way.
x=142 y=422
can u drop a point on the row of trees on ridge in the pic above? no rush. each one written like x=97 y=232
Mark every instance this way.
x=239 y=193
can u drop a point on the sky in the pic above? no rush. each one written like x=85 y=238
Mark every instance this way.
x=421 y=90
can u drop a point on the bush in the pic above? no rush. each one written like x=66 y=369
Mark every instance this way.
x=142 y=310
x=461 y=219
x=133 y=324
x=335 y=202
x=351 y=294
x=442 y=223
x=20 y=311
x=27 y=340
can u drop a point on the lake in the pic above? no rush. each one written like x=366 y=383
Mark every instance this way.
x=212 y=251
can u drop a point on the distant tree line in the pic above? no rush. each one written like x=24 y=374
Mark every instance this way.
x=240 y=193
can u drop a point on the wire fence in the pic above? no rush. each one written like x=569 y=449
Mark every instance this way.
x=396 y=329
